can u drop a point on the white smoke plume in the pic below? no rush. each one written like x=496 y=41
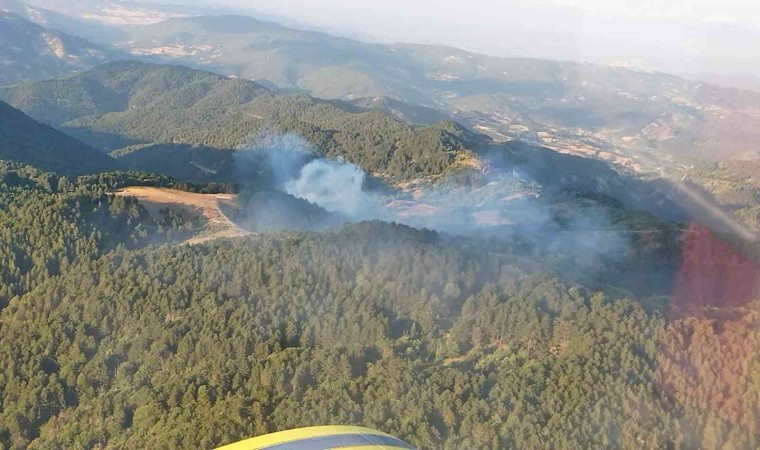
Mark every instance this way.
x=507 y=204
x=336 y=185
x=292 y=166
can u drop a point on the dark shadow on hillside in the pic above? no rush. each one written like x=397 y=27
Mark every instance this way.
x=105 y=142
x=262 y=211
x=651 y=219
x=203 y=164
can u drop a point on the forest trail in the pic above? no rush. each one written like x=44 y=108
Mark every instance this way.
x=190 y=205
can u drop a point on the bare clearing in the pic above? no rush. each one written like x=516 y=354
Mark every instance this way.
x=191 y=206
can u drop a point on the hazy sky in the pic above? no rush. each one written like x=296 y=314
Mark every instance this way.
x=736 y=11
x=741 y=11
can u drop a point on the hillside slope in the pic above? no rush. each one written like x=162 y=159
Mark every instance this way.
x=190 y=347
x=186 y=123
x=87 y=29
x=646 y=122
x=128 y=85
x=25 y=141
x=129 y=103
x=30 y=52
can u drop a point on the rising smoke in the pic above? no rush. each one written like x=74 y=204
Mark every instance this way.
x=289 y=164
x=337 y=186
x=504 y=203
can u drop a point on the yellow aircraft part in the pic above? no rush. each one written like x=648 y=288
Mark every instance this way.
x=322 y=438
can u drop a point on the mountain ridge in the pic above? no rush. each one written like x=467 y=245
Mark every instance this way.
x=125 y=103
x=641 y=121
x=162 y=121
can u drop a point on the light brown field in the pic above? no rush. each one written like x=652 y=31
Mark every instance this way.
x=191 y=206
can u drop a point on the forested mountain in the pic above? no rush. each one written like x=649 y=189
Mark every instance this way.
x=494 y=341
x=446 y=342
x=643 y=122
x=640 y=120
x=130 y=103
x=364 y=259
x=185 y=123
x=126 y=85
x=30 y=52
x=197 y=125
x=26 y=141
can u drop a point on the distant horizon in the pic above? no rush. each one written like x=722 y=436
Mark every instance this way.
x=712 y=43
x=701 y=45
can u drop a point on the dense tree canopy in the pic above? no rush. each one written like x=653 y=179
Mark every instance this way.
x=125 y=106
x=561 y=330
x=523 y=336
x=443 y=342
x=48 y=221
